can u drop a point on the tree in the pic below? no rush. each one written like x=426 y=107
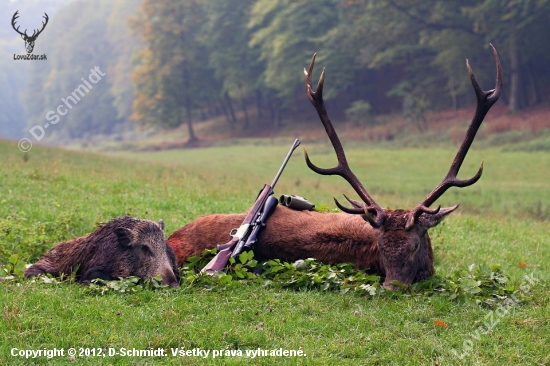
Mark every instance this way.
x=522 y=26
x=288 y=33
x=124 y=45
x=234 y=63
x=201 y=57
x=442 y=34
x=416 y=39
x=172 y=77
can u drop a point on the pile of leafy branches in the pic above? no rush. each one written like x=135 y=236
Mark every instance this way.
x=126 y=285
x=483 y=284
x=130 y=284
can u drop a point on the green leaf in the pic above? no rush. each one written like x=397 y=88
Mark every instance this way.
x=225 y=279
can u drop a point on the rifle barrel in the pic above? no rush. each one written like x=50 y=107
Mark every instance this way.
x=294 y=146
x=234 y=247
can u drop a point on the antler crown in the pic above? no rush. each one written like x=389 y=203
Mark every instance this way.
x=374 y=213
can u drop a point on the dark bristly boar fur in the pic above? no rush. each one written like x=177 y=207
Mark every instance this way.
x=123 y=247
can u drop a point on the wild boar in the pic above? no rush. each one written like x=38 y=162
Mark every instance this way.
x=122 y=247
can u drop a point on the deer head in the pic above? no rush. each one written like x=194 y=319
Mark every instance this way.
x=29 y=40
x=403 y=243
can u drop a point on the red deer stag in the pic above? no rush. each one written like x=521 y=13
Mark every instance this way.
x=392 y=243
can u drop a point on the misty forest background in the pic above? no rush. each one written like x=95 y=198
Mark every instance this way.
x=174 y=63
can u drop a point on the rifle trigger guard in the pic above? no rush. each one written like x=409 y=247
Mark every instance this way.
x=233 y=232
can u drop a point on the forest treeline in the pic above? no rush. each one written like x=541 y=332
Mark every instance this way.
x=169 y=63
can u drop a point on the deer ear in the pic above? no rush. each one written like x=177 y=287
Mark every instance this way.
x=161 y=224
x=124 y=236
x=23 y=36
x=368 y=217
x=432 y=220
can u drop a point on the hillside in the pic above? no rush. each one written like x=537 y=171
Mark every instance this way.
x=527 y=130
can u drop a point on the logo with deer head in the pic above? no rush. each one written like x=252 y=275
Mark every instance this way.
x=29 y=40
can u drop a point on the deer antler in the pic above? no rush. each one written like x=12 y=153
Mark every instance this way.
x=485 y=100
x=369 y=208
x=15 y=16
x=43 y=26
x=34 y=34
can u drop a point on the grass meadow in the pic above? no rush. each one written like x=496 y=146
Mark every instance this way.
x=51 y=195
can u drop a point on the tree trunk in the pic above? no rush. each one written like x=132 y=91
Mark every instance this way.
x=532 y=94
x=277 y=119
x=275 y=112
x=454 y=100
x=259 y=104
x=212 y=109
x=245 y=111
x=224 y=110
x=270 y=107
x=192 y=136
x=227 y=99
x=514 y=68
x=187 y=105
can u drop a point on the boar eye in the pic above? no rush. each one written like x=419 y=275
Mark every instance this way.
x=146 y=250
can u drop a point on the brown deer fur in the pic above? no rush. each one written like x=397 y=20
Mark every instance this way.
x=329 y=237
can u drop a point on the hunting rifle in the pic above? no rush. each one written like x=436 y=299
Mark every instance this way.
x=247 y=234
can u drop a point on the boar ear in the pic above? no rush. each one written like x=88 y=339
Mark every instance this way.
x=124 y=236
x=161 y=224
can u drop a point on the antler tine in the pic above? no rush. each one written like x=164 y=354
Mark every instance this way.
x=369 y=207
x=359 y=207
x=354 y=203
x=353 y=211
x=485 y=100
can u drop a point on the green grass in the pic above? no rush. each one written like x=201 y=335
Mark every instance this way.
x=56 y=195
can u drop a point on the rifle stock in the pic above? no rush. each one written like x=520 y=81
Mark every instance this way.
x=225 y=250
x=220 y=260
